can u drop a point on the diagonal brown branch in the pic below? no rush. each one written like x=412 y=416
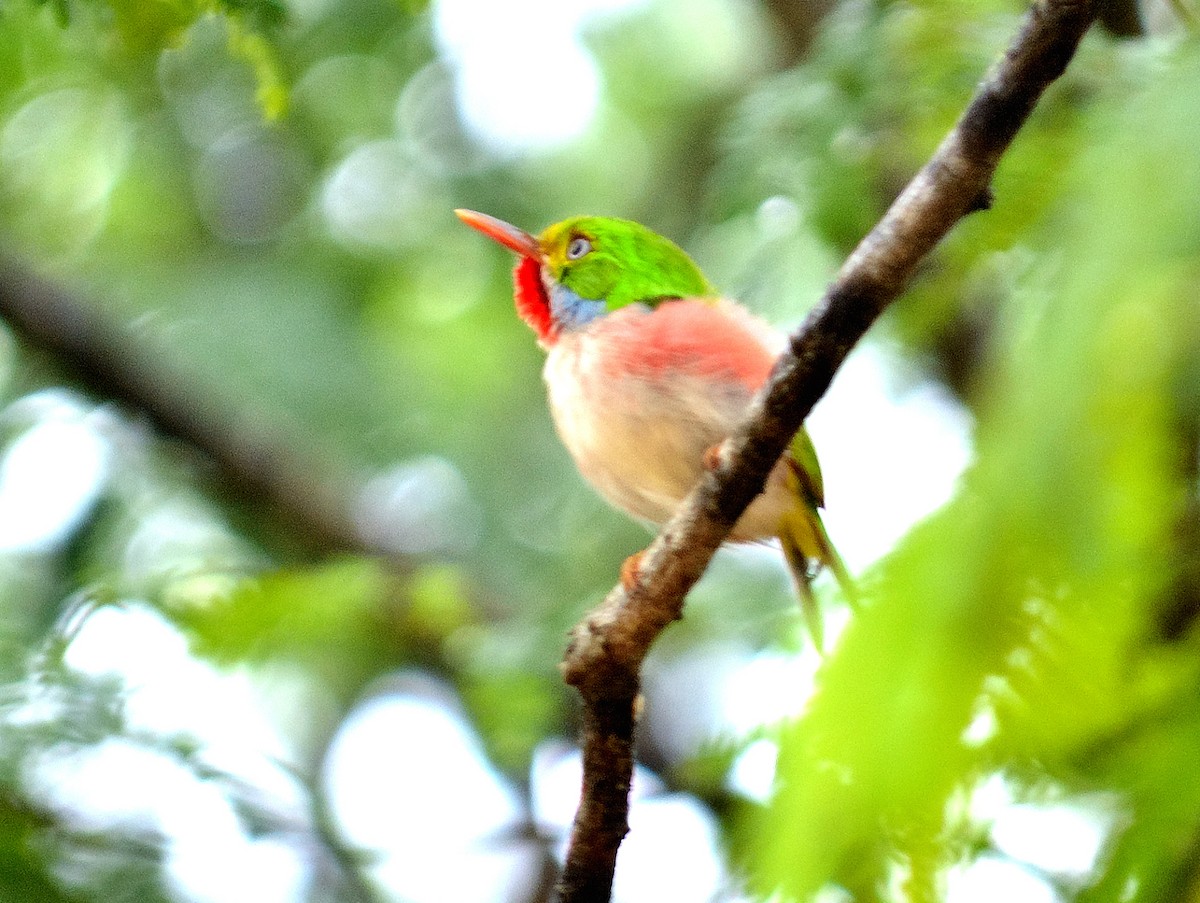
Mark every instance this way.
x=606 y=652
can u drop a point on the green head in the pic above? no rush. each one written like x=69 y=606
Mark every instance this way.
x=590 y=265
x=619 y=262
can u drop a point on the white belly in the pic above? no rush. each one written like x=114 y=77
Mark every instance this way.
x=640 y=441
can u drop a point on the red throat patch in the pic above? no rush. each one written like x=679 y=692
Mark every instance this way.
x=530 y=297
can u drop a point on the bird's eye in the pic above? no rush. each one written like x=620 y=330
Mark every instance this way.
x=578 y=247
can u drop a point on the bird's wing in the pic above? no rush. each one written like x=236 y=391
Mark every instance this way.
x=808 y=468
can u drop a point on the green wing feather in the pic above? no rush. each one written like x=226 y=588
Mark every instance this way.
x=804 y=454
x=803 y=536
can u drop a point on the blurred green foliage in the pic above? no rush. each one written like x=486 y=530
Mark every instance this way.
x=258 y=194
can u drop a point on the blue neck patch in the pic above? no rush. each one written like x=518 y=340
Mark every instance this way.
x=570 y=311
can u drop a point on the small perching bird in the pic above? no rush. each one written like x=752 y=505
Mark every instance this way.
x=648 y=371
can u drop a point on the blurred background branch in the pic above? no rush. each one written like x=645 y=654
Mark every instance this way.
x=246 y=458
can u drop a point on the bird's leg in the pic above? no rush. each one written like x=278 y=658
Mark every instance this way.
x=629 y=570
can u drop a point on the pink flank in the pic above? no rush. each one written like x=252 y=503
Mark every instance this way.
x=701 y=338
x=530 y=297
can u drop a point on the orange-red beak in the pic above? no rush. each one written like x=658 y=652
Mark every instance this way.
x=498 y=230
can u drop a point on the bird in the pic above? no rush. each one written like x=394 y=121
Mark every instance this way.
x=648 y=371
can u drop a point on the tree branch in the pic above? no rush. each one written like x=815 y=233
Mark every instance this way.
x=608 y=647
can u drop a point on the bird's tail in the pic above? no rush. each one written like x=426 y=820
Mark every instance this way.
x=807 y=548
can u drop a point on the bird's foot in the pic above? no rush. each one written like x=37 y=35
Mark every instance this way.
x=714 y=455
x=630 y=568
